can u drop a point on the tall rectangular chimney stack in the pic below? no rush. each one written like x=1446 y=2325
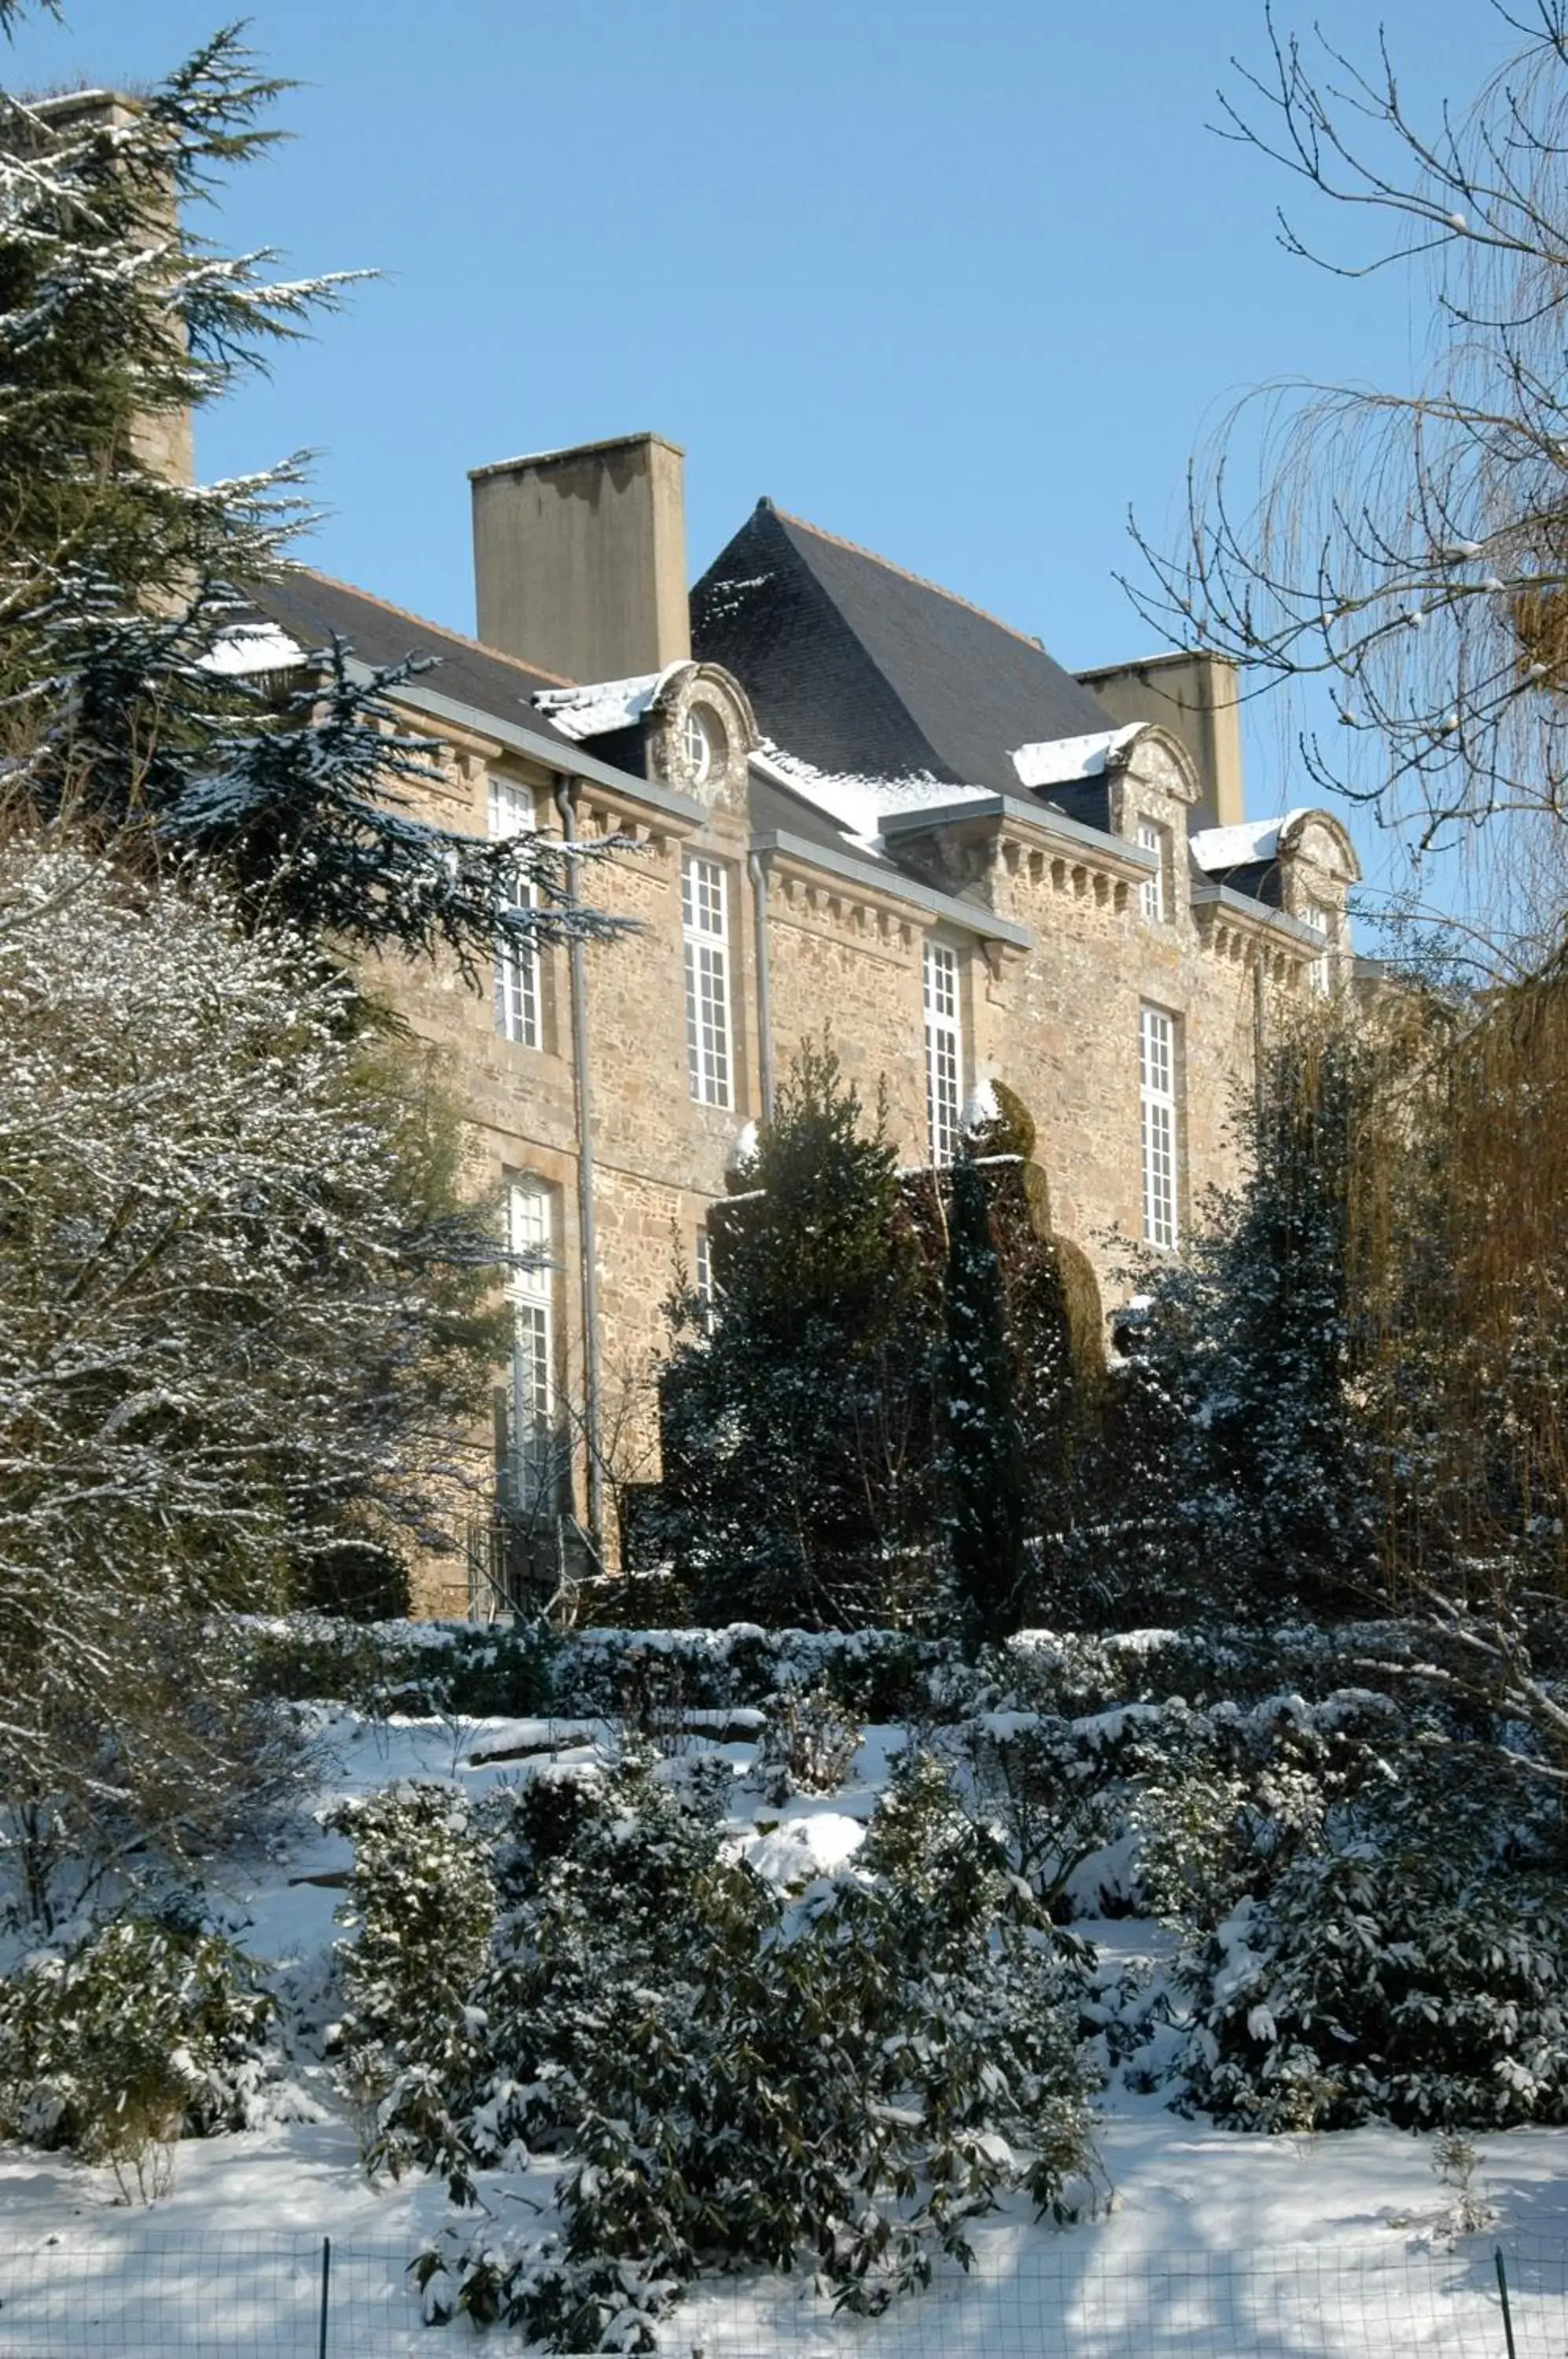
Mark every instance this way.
x=1197 y=698
x=580 y=557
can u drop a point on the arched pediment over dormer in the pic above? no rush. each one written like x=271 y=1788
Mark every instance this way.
x=1317 y=840
x=1301 y=861
x=1153 y=757
x=701 y=732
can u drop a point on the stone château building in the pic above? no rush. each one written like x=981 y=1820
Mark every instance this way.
x=849 y=799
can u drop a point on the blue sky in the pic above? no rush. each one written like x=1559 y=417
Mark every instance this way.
x=963 y=283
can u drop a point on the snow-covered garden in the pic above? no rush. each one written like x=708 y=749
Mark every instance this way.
x=750 y=1981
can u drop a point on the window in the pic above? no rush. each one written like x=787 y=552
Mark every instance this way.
x=1151 y=892
x=516 y=961
x=705 y=925
x=1320 y=974
x=944 y=1051
x=698 y=747
x=530 y=1435
x=703 y=1278
x=1156 y=1093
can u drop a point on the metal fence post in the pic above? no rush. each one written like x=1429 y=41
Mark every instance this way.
x=327 y=2284
x=1508 y=2313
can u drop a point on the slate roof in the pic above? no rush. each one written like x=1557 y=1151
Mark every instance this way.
x=859 y=668
x=312 y=608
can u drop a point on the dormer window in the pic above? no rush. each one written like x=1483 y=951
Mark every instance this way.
x=1154 y=837
x=697 y=743
x=1320 y=974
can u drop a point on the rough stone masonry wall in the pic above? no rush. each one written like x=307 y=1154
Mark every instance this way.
x=1061 y=1026
x=837 y=962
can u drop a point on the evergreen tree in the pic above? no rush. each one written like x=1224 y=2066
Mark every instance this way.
x=1051 y=1325
x=797 y=1423
x=1279 y=1418
x=1244 y=1391
x=983 y=1457
x=122 y=693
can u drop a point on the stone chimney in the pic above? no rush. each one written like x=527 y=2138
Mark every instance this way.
x=580 y=557
x=1193 y=696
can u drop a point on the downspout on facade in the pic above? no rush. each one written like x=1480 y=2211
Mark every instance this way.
x=577 y=974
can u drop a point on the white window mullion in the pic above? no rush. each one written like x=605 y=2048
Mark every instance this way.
x=517 y=983
x=705 y=926
x=1156 y=1094
x=944 y=1051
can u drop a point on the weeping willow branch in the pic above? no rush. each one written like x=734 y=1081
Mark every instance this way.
x=1404 y=552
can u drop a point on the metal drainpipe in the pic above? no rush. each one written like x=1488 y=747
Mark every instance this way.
x=578 y=977
x=756 y=869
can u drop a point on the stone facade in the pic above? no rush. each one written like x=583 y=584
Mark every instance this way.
x=1049 y=1002
x=1083 y=915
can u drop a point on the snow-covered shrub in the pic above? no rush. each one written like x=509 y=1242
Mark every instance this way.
x=147 y=2031
x=731 y=2077
x=1411 y=1970
x=808 y=1743
x=877 y=1674
x=410 y=1667
x=1209 y=1835
x=1049 y=1792
x=423 y=1903
x=652 y=1704
x=1164 y=1808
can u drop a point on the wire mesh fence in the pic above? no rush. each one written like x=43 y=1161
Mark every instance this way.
x=1075 y=2297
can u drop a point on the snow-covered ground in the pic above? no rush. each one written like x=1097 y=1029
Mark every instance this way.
x=1216 y=2243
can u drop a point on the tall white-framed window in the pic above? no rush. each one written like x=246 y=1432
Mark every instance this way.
x=1320 y=974
x=1154 y=837
x=512 y=813
x=944 y=1051
x=531 y=1440
x=705 y=924
x=1157 y=1100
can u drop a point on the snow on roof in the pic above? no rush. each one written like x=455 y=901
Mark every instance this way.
x=1217 y=849
x=245 y=648
x=601 y=705
x=1055 y=760
x=859 y=805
